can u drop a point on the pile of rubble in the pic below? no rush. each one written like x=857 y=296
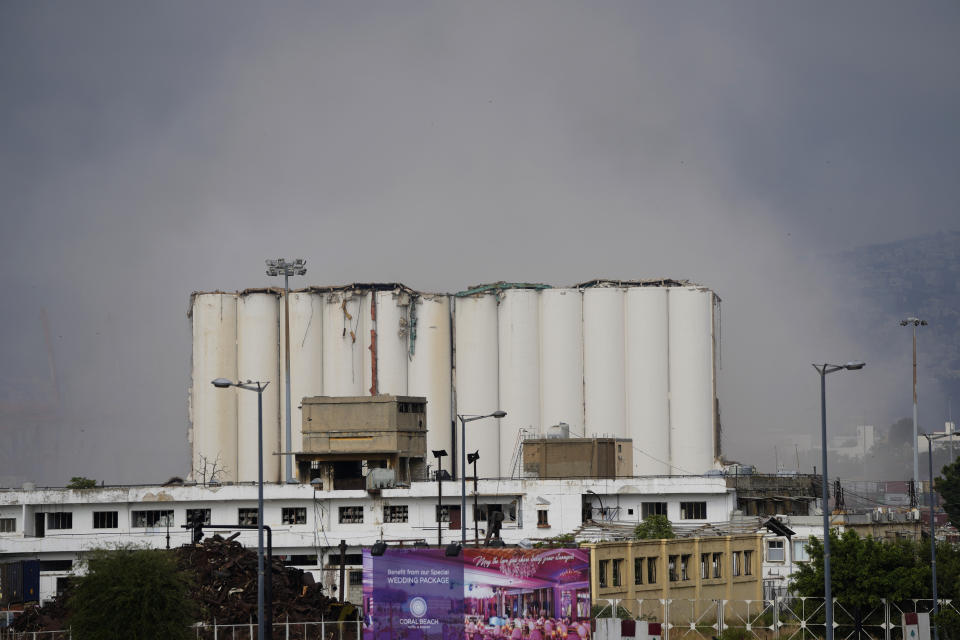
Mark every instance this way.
x=223 y=575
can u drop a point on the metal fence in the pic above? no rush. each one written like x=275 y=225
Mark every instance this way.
x=323 y=630
x=783 y=618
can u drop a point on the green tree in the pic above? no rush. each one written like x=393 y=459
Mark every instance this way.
x=947 y=485
x=79 y=482
x=138 y=594
x=654 y=528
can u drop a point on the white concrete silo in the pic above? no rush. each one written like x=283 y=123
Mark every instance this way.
x=604 y=391
x=392 y=309
x=692 y=388
x=306 y=359
x=213 y=412
x=561 y=359
x=344 y=325
x=428 y=373
x=647 y=379
x=519 y=372
x=477 y=377
x=258 y=359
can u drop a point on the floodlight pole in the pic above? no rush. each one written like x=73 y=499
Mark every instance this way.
x=915 y=322
x=295 y=268
x=823 y=370
x=933 y=536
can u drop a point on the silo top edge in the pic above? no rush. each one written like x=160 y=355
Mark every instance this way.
x=648 y=282
x=495 y=287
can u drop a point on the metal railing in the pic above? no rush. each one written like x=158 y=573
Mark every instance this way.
x=322 y=630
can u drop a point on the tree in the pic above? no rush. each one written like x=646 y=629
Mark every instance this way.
x=654 y=527
x=79 y=482
x=137 y=593
x=948 y=486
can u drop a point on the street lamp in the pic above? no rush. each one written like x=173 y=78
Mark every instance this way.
x=439 y=454
x=249 y=385
x=472 y=459
x=933 y=531
x=916 y=322
x=296 y=268
x=464 y=419
x=823 y=370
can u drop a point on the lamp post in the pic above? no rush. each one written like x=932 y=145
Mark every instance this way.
x=916 y=322
x=933 y=531
x=223 y=383
x=295 y=268
x=464 y=419
x=823 y=370
x=439 y=454
x=472 y=458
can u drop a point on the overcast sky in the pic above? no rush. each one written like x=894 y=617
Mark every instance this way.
x=150 y=149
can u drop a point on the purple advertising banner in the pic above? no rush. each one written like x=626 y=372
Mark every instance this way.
x=482 y=594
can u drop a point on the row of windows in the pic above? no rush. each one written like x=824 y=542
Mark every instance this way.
x=156 y=518
x=400 y=513
x=776 y=551
x=688 y=510
x=678 y=568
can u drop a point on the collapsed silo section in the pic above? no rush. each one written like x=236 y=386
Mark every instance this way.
x=519 y=366
x=306 y=359
x=344 y=361
x=428 y=374
x=476 y=373
x=604 y=390
x=213 y=412
x=391 y=342
x=561 y=359
x=258 y=360
x=692 y=384
x=647 y=378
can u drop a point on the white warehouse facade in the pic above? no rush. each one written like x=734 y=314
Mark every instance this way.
x=624 y=359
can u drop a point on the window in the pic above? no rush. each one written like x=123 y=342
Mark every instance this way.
x=356 y=578
x=351 y=515
x=651 y=570
x=542 y=520
x=410 y=407
x=105 y=520
x=151 y=518
x=672 y=568
x=247 y=516
x=442 y=513
x=602 y=570
x=775 y=551
x=483 y=510
x=704 y=566
x=60 y=520
x=648 y=509
x=62 y=584
x=684 y=564
x=396 y=513
x=638 y=571
x=717 y=562
x=693 y=510
x=8 y=525
x=294 y=515
x=736 y=563
x=198 y=517
x=617 y=571
x=748 y=563
x=800 y=551
x=56 y=565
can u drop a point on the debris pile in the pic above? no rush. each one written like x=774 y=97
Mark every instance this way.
x=224 y=585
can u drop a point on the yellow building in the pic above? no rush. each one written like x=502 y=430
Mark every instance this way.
x=692 y=572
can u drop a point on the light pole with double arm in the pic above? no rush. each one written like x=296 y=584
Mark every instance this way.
x=464 y=419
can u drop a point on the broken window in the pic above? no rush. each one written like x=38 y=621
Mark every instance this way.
x=105 y=520
x=648 y=509
x=717 y=563
x=8 y=525
x=60 y=520
x=396 y=513
x=151 y=518
x=542 y=520
x=617 y=571
x=198 y=517
x=602 y=570
x=693 y=510
x=247 y=516
x=294 y=515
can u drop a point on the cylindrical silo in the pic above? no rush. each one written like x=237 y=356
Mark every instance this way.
x=519 y=346
x=648 y=400
x=258 y=360
x=306 y=359
x=214 y=411
x=691 y=379
x=476 y=377
x=604 y=391
x=428 y=343
x=561 y=359
x=392 y=308
x=343 y=344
